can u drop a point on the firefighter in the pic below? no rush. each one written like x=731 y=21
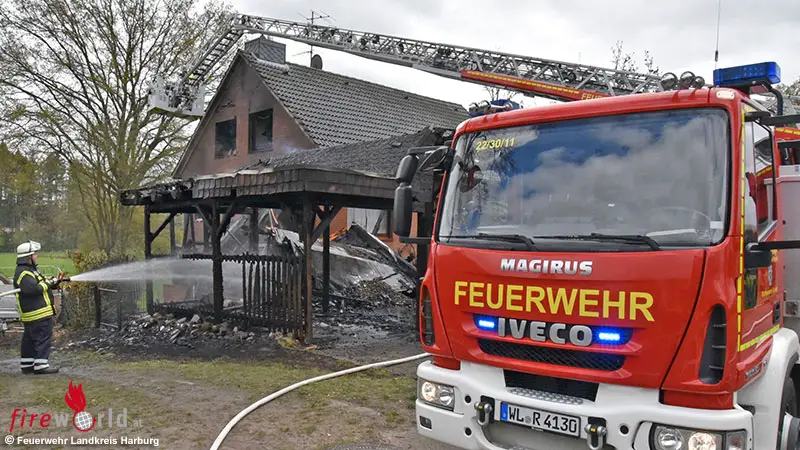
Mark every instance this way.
x=37 y=311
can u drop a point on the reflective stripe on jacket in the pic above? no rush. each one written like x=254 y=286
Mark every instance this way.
x=33 y=300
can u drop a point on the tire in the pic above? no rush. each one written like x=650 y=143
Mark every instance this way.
x=788 y=404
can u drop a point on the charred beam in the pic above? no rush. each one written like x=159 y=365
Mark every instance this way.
x=308 y=223
x=226 y=220
x=163 y=225
x=325 y=222
x=216 y=262
x=326 y=258
x=148 y=254
x=254 y=230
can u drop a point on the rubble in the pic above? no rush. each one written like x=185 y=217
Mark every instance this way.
x=372 y=296
x=152 y=331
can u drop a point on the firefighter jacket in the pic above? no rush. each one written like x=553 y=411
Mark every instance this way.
x=34 y=299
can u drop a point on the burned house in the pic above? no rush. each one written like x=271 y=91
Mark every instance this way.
x=306 y=152
x=266 y=107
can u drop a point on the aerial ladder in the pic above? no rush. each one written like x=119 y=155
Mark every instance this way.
x=539 y=77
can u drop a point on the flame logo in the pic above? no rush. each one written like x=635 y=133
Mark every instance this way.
x=74 y=398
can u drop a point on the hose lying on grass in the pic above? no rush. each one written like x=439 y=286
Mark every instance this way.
x=274 y=395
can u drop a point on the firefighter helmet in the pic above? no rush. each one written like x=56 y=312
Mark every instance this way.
x=28 y=248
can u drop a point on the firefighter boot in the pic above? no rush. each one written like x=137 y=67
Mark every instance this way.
x=46 y=371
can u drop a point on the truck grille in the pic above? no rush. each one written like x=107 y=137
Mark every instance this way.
x=560 y=386
x=560 y=357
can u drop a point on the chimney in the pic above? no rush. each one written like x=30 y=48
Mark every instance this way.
x=266 y=50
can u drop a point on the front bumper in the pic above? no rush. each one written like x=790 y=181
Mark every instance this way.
x=629 y=412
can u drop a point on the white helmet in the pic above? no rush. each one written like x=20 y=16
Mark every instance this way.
x=28 y=248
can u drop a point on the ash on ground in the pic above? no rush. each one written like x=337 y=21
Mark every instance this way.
x=158 y=332
x=375 y=324
x=371 y=314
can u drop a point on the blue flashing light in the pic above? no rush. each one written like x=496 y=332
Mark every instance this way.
x=609 y=336
x=486 y=107
x=486 y=323
x=748 y=75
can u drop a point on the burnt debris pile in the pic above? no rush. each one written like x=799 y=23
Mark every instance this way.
x=372 y=294
x=166 y=330
x=370 y=283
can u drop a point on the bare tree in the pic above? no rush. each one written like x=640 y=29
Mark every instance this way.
x=626 y=61
x=497 y=93
x=791 y=89
x=74 y=80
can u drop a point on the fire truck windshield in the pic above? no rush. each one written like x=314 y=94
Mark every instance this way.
x=658 y=178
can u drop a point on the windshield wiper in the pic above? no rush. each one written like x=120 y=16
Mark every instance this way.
x=635 y=238
x=500 y=237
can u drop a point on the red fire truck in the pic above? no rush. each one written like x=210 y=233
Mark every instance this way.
x=610 y=273
x=602 y=273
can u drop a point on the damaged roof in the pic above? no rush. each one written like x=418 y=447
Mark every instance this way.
x=358 y=175
x=336 y=109
x=376 y=157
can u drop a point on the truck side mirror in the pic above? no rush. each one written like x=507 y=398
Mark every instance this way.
x=434 y=159
x=407 y=169
x=755 y=257
x=403 y=209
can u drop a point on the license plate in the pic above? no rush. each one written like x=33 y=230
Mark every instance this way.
x=541 y=420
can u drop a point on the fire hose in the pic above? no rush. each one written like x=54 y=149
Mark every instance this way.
x=9 y=293
x=274 y=395
x=17 y=291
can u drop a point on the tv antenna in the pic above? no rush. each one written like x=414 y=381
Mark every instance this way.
x=314 y=16
x=716 y=47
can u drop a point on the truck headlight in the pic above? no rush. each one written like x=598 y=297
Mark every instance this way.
x=673 y=438
x=436 y=394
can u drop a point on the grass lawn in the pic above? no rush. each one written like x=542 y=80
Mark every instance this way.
x=49 y=263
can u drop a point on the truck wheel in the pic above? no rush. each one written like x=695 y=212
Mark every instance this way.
x=788 y=404
x=789 y=398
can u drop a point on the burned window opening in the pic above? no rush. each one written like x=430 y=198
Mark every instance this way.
x=225 y=140
x=261 y=131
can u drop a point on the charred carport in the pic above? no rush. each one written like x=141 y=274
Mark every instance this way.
x=312 y=186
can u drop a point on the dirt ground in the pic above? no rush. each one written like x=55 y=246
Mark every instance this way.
x=184 y=397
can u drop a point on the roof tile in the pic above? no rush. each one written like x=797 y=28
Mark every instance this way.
x=377 y=157
x=335 y=109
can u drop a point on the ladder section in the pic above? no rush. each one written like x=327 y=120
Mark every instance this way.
x=542 y=77
x=557 y=80
x=213 y=54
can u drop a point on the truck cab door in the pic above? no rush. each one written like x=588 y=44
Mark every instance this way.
x=761 y=296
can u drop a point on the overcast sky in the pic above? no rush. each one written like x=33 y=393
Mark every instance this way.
x=680 y=35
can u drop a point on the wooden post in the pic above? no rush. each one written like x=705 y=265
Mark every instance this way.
x=98 y=310
x=254 y=230
x=308 y=228
x=216 y=258
x=326 y=264
x=187 y=222
x=206 y=235
x=172 y=243
x=192 y=230
x=148 y=254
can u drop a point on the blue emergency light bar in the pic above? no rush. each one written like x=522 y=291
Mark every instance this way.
x=485 y=107
x=748 y=75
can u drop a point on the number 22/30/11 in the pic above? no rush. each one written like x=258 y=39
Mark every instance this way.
x=494 y=144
